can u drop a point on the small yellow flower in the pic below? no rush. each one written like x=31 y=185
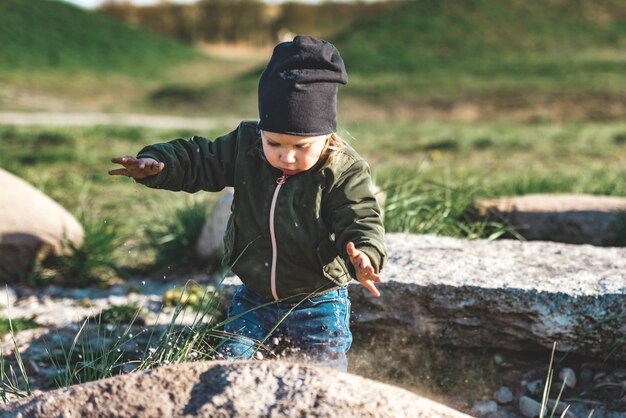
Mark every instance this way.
x=436 y=155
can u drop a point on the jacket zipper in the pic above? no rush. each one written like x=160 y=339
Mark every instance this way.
x=279 y=182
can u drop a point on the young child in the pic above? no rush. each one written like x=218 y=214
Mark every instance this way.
x=304 y=219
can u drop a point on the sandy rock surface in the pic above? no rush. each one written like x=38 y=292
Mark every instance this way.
x=226 y=389
x=503 y=294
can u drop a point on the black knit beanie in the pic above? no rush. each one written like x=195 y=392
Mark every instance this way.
x=298 y=89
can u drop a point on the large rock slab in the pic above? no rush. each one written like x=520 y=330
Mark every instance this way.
x=506 y=293
x=32 y=225
x=231 y=389
x=574 y=219
x=503 y=294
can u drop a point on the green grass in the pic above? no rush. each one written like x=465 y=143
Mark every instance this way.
x=90 y=264
x=18 y=324
x=418 y=207
x=496 y=159
x=43 y=35
x=100 y=347
x=175 y=232
x=121 y=314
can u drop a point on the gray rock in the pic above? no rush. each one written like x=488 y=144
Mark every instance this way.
x=620 y=373
x=535 y=387
x=483 y=408
x=502 y=294
x=575 y=219
x=529 y=407
x=532 y=409
x=211 y=240
x=561 y=408
x=586 y=374
x=32 y=226
x=230 y=389
x=501 y=361
x=504 y=396
x=7 y=296
x=583 y=411
x=568 y=377
x=507 y=294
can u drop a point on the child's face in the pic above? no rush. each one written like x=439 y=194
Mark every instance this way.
x=291 y=153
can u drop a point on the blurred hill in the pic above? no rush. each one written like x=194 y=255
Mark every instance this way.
x=430 y=34
x=250 y=22
x=472 y=59
x=41 y=35
x=486 y=59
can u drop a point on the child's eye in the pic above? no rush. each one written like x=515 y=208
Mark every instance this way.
x=302 y=146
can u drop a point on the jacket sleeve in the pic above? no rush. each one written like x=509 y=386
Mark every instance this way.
x=355 y=215
x=194 y=164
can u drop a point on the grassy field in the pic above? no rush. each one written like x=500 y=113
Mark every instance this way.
x=71 y=164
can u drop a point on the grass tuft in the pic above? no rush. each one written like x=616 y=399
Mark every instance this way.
x=422 y=207
x=173 y=234
x=92 y=263
x=17 y=325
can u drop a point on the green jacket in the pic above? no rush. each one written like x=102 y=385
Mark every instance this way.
x=282 y=239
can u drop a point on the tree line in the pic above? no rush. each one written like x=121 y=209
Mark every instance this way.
x=243 y=21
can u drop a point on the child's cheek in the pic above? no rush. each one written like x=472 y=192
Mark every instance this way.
x=270 y=156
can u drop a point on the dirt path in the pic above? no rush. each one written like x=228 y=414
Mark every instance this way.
x=89 y=119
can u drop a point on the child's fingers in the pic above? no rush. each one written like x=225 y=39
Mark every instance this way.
x=375 y=277
x=125 y=160
x=369 y=285
x=351 y=250
x=150 y=165
x=118 y=172
x=371 y=274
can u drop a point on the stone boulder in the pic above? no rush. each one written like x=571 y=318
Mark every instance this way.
x=574 y=219
x=211 y=240
x=502 y=294
x=32 y=226
x=230 y=389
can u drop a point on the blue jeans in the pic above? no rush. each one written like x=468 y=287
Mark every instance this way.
x=317 y=328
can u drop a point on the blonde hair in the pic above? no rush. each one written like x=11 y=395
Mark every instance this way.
x=334 y=146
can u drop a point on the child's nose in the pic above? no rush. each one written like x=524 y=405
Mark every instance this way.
x=289 y=156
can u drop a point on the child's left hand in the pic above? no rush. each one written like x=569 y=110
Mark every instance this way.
x=365 y=273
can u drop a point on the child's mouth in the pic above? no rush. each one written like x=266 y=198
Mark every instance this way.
x=288 y=172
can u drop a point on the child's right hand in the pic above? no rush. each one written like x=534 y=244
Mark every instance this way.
x=365 y=273
x=137 y=168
